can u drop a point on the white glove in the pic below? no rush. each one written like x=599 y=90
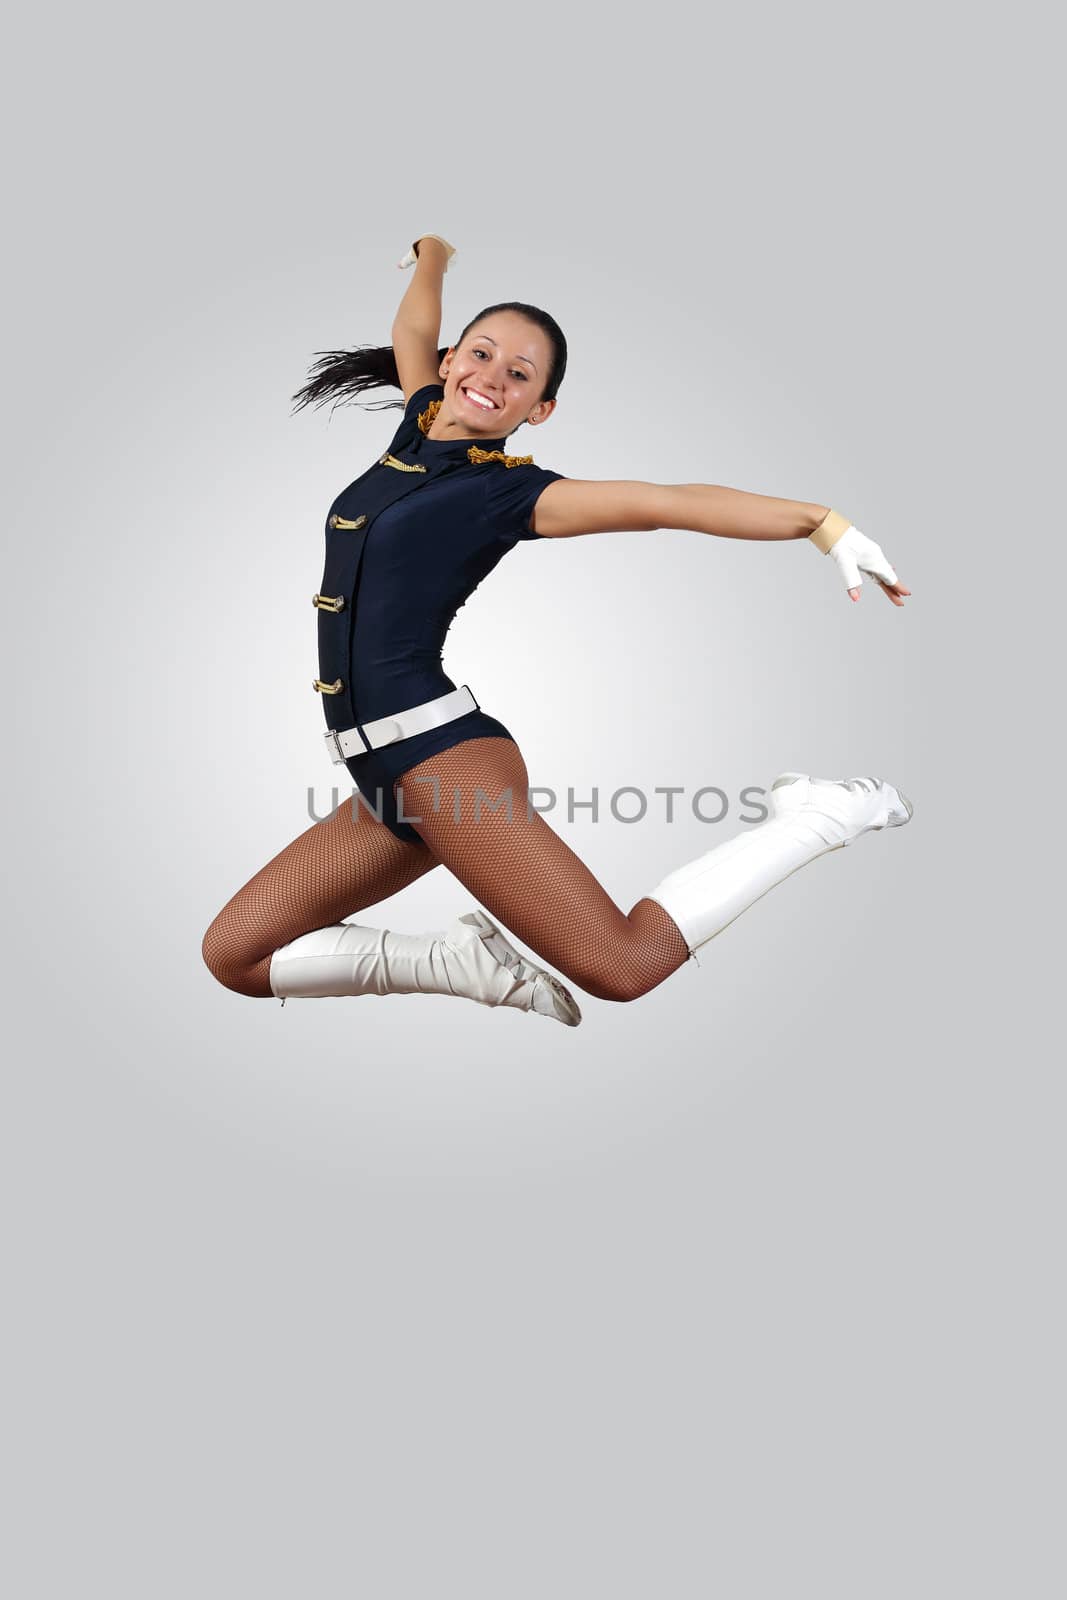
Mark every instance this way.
x=854 y=553
x=412 y=255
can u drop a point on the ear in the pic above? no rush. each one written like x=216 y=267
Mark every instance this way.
x=541 y=412
x=449 y=353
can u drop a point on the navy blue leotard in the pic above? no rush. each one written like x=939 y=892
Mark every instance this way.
x=404 y=550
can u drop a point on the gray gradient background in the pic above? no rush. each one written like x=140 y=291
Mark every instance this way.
x=749 y=1288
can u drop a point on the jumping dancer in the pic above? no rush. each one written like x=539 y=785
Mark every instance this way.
x=439 y=780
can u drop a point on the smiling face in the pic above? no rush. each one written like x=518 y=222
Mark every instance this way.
x=505 y=359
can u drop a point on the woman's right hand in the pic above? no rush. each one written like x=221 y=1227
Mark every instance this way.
x=412 y=255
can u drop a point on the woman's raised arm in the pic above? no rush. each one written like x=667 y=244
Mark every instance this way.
x=417 y=324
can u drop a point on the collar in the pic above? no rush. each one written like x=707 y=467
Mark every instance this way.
x=475 y=454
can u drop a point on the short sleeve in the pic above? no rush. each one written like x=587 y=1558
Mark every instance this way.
x=510 y=496
x=421 y=399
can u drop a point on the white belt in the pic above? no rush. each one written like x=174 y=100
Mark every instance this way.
x=387 y=730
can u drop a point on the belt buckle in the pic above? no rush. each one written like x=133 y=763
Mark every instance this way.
x=331 y=735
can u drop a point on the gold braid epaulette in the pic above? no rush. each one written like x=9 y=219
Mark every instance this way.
x=476 y=455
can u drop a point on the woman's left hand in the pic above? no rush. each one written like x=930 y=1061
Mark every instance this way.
x=855 y=554
x=412 y=256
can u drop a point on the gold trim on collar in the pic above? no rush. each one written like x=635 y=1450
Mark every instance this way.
x=475 y=454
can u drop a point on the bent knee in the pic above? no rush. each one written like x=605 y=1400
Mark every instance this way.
x=624 y=992
x=617 y=986
x=231 y=966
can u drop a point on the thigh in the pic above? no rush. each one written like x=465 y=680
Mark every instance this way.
x=513 y=862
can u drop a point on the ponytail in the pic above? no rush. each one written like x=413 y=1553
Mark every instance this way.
x=350 y=373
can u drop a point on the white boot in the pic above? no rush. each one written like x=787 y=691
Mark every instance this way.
x=808 y=818
x=471 y=959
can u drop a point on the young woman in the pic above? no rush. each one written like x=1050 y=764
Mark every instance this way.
x=439 y=780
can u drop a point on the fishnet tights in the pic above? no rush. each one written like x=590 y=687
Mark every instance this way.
x=516 y=866
x=337 y=867
x=528 y=879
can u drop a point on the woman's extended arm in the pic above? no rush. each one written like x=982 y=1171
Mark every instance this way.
x=736 y=514
x=572 y=506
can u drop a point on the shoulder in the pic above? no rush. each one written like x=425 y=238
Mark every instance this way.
x=510 y=494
